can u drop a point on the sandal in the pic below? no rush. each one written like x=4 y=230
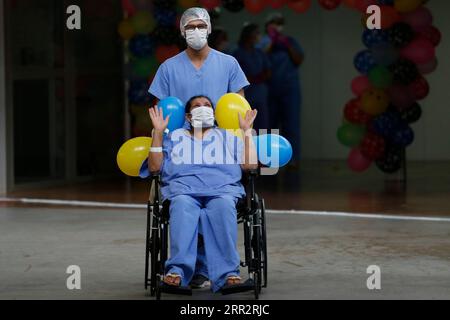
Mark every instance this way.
x=173 y=280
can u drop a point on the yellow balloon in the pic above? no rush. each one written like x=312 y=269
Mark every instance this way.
x=407 y=5
x=126 y=30
x=375 y=101
x=132 y=154
x=228 y=108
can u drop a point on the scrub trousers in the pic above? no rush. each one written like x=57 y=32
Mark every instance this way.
x=217 y=218
x=285 y=111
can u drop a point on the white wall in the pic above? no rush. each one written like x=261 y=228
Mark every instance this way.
x=3 y=169
x=331 y=39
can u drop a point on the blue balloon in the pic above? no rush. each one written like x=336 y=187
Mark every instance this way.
x=404 y=136
x=165 y=17
x=386 y=124
x=274 y=151
x=364 y=61
x=374 y=37
x=142 y=46
x=175 y=108
x=138 y=92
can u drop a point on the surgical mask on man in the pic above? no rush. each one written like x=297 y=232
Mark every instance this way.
x=202 y=117
x=197 y=39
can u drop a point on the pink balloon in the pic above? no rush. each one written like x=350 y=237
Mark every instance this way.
x=420 y=51
x=419 y=19
x=428 y=67
x=401 y=97
x=357 y=161
x=360 y=84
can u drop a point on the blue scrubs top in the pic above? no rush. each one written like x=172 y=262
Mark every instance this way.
x=219 y=75
x=200 y=168
x=284 y=72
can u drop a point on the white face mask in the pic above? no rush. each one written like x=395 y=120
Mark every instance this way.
x=197 y=39
x=202 y=117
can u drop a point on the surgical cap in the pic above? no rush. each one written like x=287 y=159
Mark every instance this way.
x=193 y=14
x=274 y=17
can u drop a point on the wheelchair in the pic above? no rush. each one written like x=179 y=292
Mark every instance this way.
x=250 y=214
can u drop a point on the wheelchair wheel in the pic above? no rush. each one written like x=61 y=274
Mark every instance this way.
x=264 y=263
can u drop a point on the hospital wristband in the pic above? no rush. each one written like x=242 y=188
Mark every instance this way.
x=156 y=150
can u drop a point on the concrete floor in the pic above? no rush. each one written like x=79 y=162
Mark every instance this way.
x=311 y=257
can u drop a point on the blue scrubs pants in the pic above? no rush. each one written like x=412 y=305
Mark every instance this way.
x=285 y=111
x=216 y=216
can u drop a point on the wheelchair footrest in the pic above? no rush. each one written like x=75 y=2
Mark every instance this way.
x=183 y=291
x=248 y=285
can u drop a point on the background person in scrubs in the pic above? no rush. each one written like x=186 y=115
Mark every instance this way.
x=199 y=70
x=202 y=193
x=285 y=99
x=256 y=66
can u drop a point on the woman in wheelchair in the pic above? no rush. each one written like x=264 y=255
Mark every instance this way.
x=201 y=172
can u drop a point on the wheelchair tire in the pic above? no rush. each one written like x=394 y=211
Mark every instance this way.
x=264 y=243
x=257 y=289
x=158 y=292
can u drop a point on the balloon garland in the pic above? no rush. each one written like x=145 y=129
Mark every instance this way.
x=392 y=67
x=377 y=121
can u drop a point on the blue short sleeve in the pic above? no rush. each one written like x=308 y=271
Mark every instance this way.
x=238 y=80
x=160 y=87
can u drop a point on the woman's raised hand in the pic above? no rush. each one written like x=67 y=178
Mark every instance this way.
x=159 y=123
x=247 y=122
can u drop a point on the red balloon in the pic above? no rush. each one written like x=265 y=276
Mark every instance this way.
x=432 y=34
x=360 y=84
x=357 y=161
x=299 y=6
x=165 y=52
x=429 y=67
x=419 y=19
x=354 y=114
x=276 y=4
x=330 y=4
x=401 y=97
x=389 y=16
x=362 y=5
x=420 y=88
x=210 y=4
x=373 y=146
x=128 y=7
x=420 y=51
x=254 y=6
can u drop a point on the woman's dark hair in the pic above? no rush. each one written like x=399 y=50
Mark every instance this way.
x=247 y=32
x=216 y=36
x=189 y=103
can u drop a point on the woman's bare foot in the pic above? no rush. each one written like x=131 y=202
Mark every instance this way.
x=232 y=281
x=173 y=280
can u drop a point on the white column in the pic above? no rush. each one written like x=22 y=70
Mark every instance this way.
x=3 y=154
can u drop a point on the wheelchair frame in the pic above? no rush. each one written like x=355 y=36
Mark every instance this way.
x=250 y=213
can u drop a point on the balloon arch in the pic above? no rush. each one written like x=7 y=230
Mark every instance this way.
x=377 y=120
